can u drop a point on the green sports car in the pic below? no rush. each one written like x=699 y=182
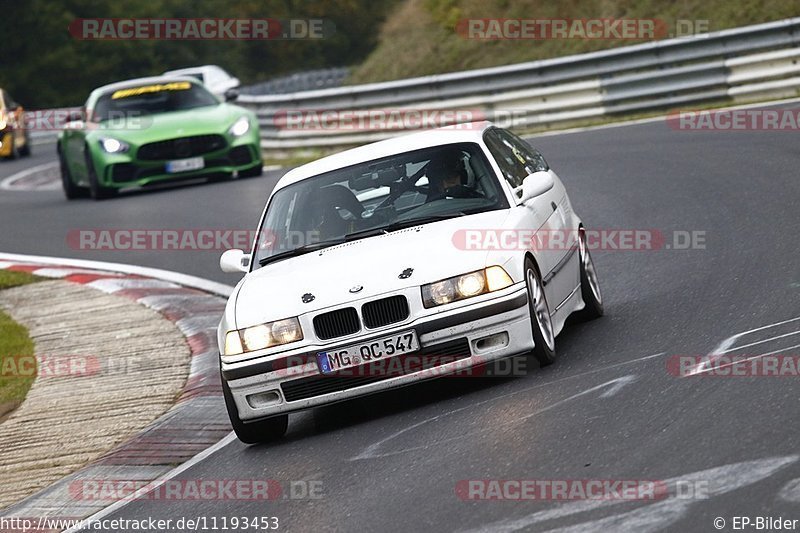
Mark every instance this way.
x=155 y=130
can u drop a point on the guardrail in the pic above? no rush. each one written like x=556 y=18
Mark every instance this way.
x=748 y=63
x=39 y=138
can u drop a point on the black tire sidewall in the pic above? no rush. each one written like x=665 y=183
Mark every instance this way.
x=543 y=354
x=593 y=308
x=97 y=191
x=71 y=191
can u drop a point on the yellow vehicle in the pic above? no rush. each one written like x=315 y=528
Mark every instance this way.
x=14 y=140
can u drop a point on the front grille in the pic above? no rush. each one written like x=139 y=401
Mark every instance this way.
x=337 y=323
x=427 y=358
x=181 y=148
x=386 y=311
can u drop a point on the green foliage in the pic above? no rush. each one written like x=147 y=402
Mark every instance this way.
x=419 y=37
x=42 y=65
x=14 y=342
x=11 y=278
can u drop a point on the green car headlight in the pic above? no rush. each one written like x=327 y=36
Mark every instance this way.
x=240 y=127
x=263 y=336
x=114 y=146
x=464 y=286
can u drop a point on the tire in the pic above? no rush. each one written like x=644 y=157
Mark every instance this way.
x=96 y=191
x=27 y=150
x=261 y=431
x=590 y=285
x=544 y=348
x=71 y=191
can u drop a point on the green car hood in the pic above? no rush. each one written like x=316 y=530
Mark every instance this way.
x=162 y=126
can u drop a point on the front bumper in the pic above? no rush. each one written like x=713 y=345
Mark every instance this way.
x=122 y=170
x=450 y=342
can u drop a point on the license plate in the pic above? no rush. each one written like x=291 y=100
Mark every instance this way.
x=367 y=352
x=185 y=165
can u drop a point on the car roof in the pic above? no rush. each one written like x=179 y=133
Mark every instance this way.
x=199 y=68
x=468 y=132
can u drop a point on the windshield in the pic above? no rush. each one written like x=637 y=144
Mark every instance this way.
x=151 y=99
x=379 y=196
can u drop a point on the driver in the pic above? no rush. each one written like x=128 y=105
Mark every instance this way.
x=447 y=176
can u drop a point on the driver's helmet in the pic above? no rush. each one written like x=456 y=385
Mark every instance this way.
x=445 y=167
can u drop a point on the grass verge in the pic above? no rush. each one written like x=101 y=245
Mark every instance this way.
x=15 y=345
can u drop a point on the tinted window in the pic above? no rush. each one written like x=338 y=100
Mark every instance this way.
x=515 y=157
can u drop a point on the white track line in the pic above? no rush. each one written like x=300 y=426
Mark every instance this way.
x=735 y=348
x=8 y=183
x=727 y=346
x=186 y=280
x=153 y=485
x=740 y=361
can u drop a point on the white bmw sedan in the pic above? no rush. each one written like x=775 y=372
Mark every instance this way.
x=424 y=255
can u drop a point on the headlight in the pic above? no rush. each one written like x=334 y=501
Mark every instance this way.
x=240 y=127
x=263 y=336
x=113 y=146
x=464 y=286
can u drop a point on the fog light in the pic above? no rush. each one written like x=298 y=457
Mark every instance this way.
x=263 y=399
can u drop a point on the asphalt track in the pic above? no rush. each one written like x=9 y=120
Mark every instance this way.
x=608 y=409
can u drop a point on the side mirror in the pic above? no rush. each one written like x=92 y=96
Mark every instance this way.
x=231 y=95
x=233 y=261
x=76 y=115
x=535 y=185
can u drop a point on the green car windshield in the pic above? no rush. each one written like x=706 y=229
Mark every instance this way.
x=152 y=99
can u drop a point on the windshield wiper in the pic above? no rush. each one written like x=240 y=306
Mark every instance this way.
x=398 y=225
x=300 y=250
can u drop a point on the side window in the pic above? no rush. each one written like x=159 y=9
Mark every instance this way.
x=509 y=165
x=525 y=154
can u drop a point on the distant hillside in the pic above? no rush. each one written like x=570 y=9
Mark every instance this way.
x=420 y=37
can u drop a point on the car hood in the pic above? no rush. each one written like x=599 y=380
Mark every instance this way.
x=162 y=126
x=375 y=263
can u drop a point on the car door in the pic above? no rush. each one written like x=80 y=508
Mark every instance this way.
x=547 y=214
